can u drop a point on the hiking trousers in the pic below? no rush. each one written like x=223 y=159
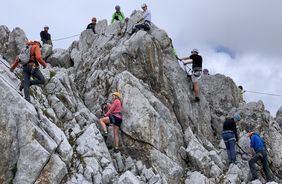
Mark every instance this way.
x=230 y=142
x=28 y=71
x=262 y=156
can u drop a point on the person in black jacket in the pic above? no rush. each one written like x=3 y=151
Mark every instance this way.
x=230 y=137
x=45 y=36
x=196 y=61
x=92 y=25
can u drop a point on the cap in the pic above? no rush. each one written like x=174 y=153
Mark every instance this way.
x=237 y=117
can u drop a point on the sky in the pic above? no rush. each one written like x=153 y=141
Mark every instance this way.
x=241 y=39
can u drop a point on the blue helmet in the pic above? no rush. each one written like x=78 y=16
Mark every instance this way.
x=237 y=117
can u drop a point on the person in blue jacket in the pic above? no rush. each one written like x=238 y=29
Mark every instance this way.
x=258 y=152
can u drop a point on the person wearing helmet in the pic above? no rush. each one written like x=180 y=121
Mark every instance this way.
x=230 y=136
x=258 y=152
x=113 y=116
x=31 y=68
x=206 y=72
x=196 y=61
x=92 y=24
x=45 y=36
x=146 y=18
x=118 y=15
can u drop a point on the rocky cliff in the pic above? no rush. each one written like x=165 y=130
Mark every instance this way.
x=165 y=136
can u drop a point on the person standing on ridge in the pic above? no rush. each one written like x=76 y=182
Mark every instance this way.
x=196 y=61
x=31 y=68
x=113 y=116
x=92 y=25
x=118 y=15
x=258 y=152
x=45 y=36
x=230 y=136
x=146 y=25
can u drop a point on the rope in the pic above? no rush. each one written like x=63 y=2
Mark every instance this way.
x=65 y=37
x=270 y=94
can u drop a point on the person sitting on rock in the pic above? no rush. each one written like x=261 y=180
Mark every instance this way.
x=146 y=25
x=230 y=137
x=31 y=69
x=118 y=15
x=92 y=24
x=196 y=61
x=258 y=152
x=45 y=36
x=113 y=116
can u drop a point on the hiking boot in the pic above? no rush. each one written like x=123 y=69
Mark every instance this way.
x=197 y=99
x=116 y=149
x=105 y=135
x=21 y=85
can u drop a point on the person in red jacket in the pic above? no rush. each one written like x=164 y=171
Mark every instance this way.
x=113 y=116
x=31 y=69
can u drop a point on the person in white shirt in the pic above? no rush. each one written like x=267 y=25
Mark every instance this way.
x=146 y=25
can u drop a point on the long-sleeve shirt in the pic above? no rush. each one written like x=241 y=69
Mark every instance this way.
x=45 y=36
x=118 y=16
x=257 y=142
x=115 y=108
x=230 y=124
x=147 y=15
x=35 y=56
x=91 y=26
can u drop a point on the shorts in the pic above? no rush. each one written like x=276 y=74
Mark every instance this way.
x=196 y=76
x=115 y=120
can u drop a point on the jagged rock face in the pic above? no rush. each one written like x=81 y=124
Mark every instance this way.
x=279 y=117
x=46 y=51
x=60 y=58
x=17 y=40
x=4 y=36
x=163 y=134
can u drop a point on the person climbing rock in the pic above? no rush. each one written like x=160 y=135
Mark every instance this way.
x=146 y=25
x=196 y=61
x=113 y=116
x=118 y=15
x=241 y=91
x=92 y=24
x=230 y=136
x=258 y=152
x=206 y=72
x=45 y=36
x=31 y=68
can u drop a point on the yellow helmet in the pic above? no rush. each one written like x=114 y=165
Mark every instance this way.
x=117 y=94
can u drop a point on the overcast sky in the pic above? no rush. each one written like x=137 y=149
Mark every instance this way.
x=241 y=39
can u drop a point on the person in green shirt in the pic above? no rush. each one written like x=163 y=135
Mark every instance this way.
x=118 y=15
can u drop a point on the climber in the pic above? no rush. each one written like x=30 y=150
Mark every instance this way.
x=92 y=25
x=45 y=36
x=113 y=116
x=146 y=25
x=241 y=91
x=118 y=15
x=230 y=137
x=196 y=61
x=31 y=68
x=258 y=152
x=206 y=72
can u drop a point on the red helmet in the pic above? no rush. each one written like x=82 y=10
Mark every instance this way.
x=94 y=19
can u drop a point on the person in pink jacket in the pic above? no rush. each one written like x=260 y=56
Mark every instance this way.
x=113 y=116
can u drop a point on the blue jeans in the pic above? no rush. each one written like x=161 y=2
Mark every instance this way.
x=29 y=71
x=230 y=142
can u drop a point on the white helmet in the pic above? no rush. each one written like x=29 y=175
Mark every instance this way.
x=195 y=51
x=143 y=5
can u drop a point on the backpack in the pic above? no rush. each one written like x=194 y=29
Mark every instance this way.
x=24 y=55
